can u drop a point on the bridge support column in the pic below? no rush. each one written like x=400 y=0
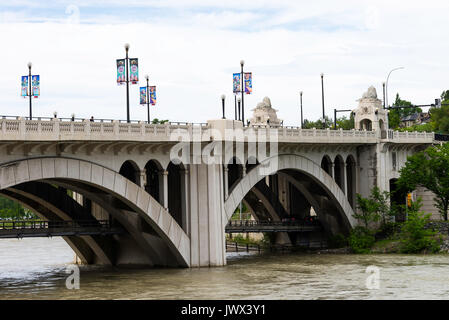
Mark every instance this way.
x=143 y=178
x=345 y=179
x=207 y=216
x=333 y=170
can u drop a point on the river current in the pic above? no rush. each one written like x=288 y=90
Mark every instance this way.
x=38 y=268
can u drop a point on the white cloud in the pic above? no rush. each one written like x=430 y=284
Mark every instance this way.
x=191 y=54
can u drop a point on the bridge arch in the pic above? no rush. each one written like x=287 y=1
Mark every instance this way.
x=81 y=175
x=326 y=164
x=130 y=170
x=153 y=172
x=296 y=163
x=339 y=171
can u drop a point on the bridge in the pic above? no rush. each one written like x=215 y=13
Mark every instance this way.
x=173 y=188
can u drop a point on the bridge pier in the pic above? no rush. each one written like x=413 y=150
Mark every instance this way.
x=207 y=217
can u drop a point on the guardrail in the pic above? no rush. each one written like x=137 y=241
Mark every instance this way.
x=59 y=129
x=42 y=228
x=244 y=226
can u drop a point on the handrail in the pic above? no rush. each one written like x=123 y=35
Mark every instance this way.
x=45 y=224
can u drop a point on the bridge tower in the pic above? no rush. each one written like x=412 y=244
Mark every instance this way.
x=370 y=114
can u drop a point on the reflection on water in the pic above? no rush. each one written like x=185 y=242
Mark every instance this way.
x=36 y=269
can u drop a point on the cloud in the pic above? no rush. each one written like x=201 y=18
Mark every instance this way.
x=190 y=50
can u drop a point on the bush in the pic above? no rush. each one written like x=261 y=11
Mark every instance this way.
x=361 y=240
x=415 y=237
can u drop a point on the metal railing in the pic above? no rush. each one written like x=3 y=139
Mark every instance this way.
x=41 y=228
x=240 y=226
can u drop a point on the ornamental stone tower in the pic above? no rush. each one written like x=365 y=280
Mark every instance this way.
x=370 y=115
x=264 y=115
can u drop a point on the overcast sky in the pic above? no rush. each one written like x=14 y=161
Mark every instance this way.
x=191 y=48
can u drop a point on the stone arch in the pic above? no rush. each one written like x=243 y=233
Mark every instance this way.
x=235 y=172
x=98 y=179
x=339 y=172
x=130 y=170
x=177 y=193
x=251 y=163
x=326 y=164
x=366 y=124
x=351 y=176
x=300 y=164
x=153 y=171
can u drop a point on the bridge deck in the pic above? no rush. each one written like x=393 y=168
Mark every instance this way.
x=40 y=228
x=244 y=226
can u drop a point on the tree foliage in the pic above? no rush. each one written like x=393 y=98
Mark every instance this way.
x=12 y=210
x=429 y=169
x=395 y=115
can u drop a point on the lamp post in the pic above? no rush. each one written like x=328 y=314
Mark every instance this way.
x=300 y=102
x=322 y=99
x=383 y=88
x=386 y=85
x=30 y=93
x=223 y=97
x=127 y=81
x=235 y=106
x=148 y=98
x=242 y=62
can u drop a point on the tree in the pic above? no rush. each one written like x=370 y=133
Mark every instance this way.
x=345 y=123
x=395 y=115
x=429 y=169
x=317 y=124
x=445 y=95
x=439 y=117
x=367 y=212
x=157 y=121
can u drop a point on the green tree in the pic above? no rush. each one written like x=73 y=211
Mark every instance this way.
x=395 y=115
x=345 y=123
x=367 y=212
x=429 y=169
x=415 y=236
x=318 y=124
x=157 y=121
x=439 y=117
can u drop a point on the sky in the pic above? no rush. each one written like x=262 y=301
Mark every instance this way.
x=191 y=48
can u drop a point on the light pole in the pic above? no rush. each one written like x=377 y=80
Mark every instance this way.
x=383 y=88
x=242 y=62
x=30 y=94
x=322 y=99
x=223 y=97
x=300 y=102
x=127 y=81
x=148 y=97
x=386 y=85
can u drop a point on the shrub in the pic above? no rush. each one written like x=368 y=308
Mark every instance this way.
x=337 y=241
x=415 y=237
x=361 y=240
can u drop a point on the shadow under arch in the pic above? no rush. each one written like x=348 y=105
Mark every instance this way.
x=84 y=176
x=130 y=170
x=316 y=175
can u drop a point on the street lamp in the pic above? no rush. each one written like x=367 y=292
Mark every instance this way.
x=123 y=75
x=242 y=63
x=386 y=86
x=30 y=87
x=322 y=99
x=223 y=97
x=300 y=101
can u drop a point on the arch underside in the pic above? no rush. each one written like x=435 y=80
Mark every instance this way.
x=152 y=237
x=318 y=188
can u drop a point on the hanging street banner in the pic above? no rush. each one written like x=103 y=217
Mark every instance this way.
x=35 y=85
x=153 y=95
x=121 y=71
x=248 y=83
x=134 y=71
x=143 y=95
x=236 y=80
x=24 y=90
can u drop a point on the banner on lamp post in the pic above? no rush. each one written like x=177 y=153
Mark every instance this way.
x=134 y=70
x=236 y=80
x=24 y=87
x=152 y=95
x=248 y=83
x=121 y=79
x=35 y=85
x=143 y=95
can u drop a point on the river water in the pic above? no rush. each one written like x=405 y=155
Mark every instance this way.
x=37 y=269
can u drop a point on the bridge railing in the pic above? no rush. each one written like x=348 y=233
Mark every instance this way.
x=44 y=224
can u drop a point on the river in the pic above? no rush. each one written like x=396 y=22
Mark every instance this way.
x=37 y=269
